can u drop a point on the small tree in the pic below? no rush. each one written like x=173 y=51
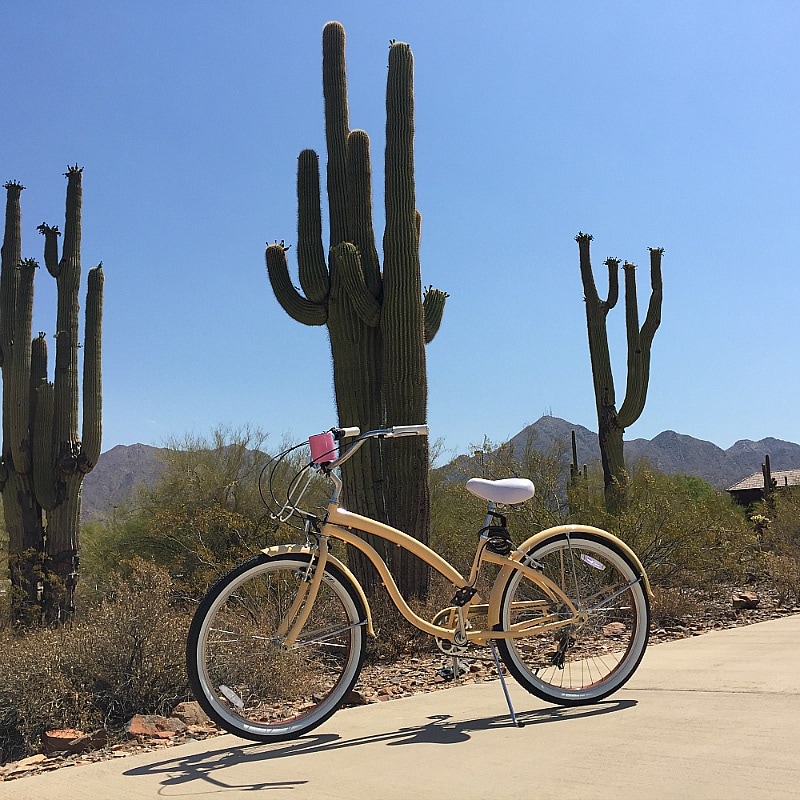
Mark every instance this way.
x=611 y=422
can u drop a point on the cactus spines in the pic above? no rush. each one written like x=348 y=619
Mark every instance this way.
x=43 y=458
x=378 y=320
x=612 y=423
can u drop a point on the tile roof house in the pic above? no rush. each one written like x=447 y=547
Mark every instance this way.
x=751 y=488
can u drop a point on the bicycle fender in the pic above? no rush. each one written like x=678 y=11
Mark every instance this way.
x=538 y=538
x=289 y=549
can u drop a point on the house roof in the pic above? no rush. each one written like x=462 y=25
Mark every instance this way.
x=784 y=477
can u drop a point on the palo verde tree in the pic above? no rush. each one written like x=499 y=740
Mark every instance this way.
x=43 y=459
x=378 y=319
x=612 y=422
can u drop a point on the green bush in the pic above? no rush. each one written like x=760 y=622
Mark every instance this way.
x=204 y=515
x=776 y=522
x=684 y=531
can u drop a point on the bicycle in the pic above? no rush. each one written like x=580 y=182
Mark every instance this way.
x=276 y=645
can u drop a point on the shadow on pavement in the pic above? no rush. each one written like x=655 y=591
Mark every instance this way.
x=440 y=730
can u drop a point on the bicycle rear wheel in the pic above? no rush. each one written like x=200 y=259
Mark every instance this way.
x=243 y=675
x=580 y=663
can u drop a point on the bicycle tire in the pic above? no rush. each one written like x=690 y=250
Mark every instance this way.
x=577 y=664
x=242 y=675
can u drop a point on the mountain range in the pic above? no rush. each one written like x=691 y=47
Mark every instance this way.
x=669 y=452
x=120 y=470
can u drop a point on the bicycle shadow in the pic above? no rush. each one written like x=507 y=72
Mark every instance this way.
x=440 y=729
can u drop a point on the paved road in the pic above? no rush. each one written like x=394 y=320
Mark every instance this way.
x=711 y=717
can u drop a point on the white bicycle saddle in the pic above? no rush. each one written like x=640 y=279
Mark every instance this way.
x=507 y=491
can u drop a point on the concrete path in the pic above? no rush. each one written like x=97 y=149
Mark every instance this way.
x=711 y=717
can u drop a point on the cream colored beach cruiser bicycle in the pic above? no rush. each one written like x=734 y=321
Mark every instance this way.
x=277 y=644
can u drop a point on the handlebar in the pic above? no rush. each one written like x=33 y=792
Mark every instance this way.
x=323 y=450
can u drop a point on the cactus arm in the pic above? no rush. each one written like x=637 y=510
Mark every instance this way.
x=293 y=303
x=38 y=369
x=432 y=310
x=43 y=456
x=402 y=321
x=92 y=371
x=20 y=377
x=587 y=276
x=347 y=261
x=613 y=284
x=337 y=127
x=72 y=223
x=51 y=234
x=596 y=313
x=359 y=207
x=640 y=341
x=65 y=419
x=653 y=318
x=10 y=255
x=314 y=277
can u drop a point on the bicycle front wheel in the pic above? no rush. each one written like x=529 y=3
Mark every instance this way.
x=578 y=663
x=241 y=672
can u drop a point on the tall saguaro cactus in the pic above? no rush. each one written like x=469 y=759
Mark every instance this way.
x=43 y=458
x=378 y=320
x=611 y=422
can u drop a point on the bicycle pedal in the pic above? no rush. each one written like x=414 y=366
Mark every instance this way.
x=454 y=670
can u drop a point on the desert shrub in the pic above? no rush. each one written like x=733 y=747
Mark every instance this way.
x=674 y=605
x=123 y=656
x=684 y=531
x=783 y=573
x=204 y=515
x=195 y=544
x=776 y=522
x=457 y=515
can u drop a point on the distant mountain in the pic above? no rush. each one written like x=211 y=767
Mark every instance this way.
x=122 y=469
x=668 y=452
x=117 y=476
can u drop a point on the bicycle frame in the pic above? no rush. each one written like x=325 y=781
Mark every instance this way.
x=344 y=525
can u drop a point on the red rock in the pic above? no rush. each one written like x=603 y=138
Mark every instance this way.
x=191 y=713
x=154 y=726
x=69 y=740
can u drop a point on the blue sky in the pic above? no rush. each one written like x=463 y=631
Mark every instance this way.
x=673 y=125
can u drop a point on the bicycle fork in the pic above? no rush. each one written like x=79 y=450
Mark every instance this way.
x=298 y=613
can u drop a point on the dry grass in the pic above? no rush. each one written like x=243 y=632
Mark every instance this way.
x=125 y=656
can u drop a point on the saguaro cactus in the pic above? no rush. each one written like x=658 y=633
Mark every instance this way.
x=378 y=321
x=612 y=423
x=43 y=459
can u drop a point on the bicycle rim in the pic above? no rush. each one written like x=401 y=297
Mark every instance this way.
x=578 y=663
x=242 y=673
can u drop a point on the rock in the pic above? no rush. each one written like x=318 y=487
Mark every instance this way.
x=354 y=698
x=190 y=713
x=24 y=765
x=614 y=629
x=69 y=740
x=154 y=726
x=31 y=761
x=745 y=600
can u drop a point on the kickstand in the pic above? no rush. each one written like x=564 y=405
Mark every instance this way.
x=517 y=723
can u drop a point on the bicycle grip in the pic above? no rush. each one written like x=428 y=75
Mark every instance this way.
x=409 y=430
x=344 y=433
